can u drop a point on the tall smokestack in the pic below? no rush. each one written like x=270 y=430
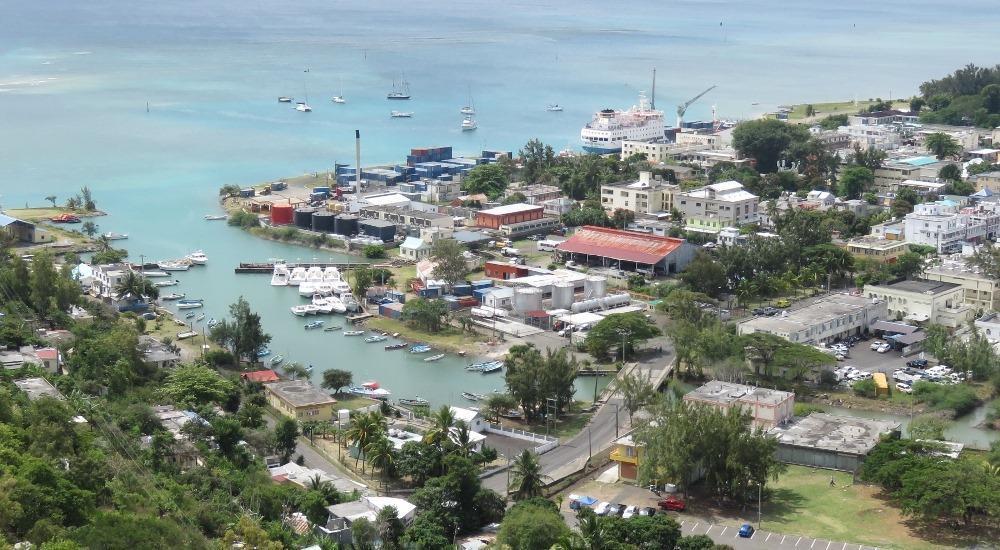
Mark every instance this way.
x=357 y=161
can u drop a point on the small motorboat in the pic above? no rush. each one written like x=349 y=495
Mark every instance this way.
x=277 y=359
x=401 y=114
x=390 y=347
x=173 y=296
x=155 y=274
x=174 y=266
x=313 y=324
x=420 y=348
x=333 y=328
x=338 y=99
x=437 y=357
x=197 y=257
x=376 y=338
x=189 y=304
x=303 y=107
x=284 y=99
x=371 y=390
x=264 y=352
x=414 y=401
x=554 y=108
x=493 y=367
x=163 y=284
x=305 y=309
x=189 y=315
x=353 y=332
x=212 y=323
x=213 y=217
x=115 y=236
x=186 y=334
x=473 y=396
x=200 y=318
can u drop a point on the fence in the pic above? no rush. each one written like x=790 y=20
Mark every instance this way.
x=547 y=442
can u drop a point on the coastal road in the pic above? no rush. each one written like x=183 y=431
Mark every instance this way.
x=607 y=424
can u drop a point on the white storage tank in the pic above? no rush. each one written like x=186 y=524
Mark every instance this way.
x=562 y=295
x=595 y=287
x=527 y=299
x=608 y=302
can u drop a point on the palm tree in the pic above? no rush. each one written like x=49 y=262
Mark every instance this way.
x=329 y=492
x=295 y=370
x=363 y=430
x=89 y=228
x=463 y=440
x=103 y=243
x=528 y=478
x=310 y=427
x=382 y=455
x=52 y=199
x=134 y=285
x=590 y=530
x=745 y=290
x=441 y=421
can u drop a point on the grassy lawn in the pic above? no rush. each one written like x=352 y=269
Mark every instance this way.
x=804 y=503
x=40 y=213
x=448 y=339
x=352 y=402
x=836 y=108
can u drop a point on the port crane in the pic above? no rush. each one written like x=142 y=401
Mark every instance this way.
x=682 y=108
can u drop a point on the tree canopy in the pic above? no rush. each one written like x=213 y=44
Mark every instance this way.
x=489 y=179
x=623 y=331
x=767 y=141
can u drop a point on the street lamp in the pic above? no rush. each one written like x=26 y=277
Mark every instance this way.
x=625 y=334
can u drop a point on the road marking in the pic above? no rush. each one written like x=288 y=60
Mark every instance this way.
x=709 y=528
x=782 y=539
x=844 y=547
x=768 y=537
x=813 y=544
x=682 y=524
x=828 y=544
x=724 y=527
x=695 y=526
x=798 y=541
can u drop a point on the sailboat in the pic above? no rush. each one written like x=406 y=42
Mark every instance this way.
x=469 y=124
x=470 y=107
x=401 y=92
x=340 y=98
x=303 y=106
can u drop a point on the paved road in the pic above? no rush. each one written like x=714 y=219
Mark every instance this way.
x=762 y=540
x=313 y=459
x=610 y=421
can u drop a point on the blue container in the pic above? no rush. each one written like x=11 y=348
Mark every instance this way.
x=462 y=290
x=484 y=283
x=247 y=193
x=321 y=189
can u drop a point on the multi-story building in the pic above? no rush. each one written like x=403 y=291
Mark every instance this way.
x=408 y=217
x=824 y=320
x=508 y=214
x=558 y=207
x=647 y=196
x=946 y=227
x=536 y=194
x=921 y=301
x=876 y=248
x=627 y=455
x=768 y=408
x=719 y=205
x=915 y=168
x=300 y=400
x=989 y=180
x=979 y=291
x=883 y=118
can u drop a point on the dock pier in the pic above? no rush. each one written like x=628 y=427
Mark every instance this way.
x=268 y=267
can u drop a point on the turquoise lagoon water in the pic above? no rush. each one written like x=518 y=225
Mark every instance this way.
x=76 y=78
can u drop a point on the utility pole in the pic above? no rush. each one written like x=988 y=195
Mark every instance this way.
x=590 y=445
x=616 y=419
x=758 y=504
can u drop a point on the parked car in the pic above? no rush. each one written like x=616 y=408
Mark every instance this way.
x=783 y=302
x=903 y=387
x=875 y=345
x=629 y=512
x=602 y=508
x=619 y=510
x=672 y=503
x=917 y=364
x=746 y=531
x=884 y=348
x=648 y=511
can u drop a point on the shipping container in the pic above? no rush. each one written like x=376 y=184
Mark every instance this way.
x=282 y=214
x=462 y=290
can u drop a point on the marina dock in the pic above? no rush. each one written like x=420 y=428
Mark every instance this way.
x=268 y=267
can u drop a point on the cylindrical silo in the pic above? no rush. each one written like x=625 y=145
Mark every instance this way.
x=595 y=287
x=527 y=299
x=303 y=217
x=323 y=221
x=562 y=295
x=346 y=224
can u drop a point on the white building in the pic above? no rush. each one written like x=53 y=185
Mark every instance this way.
x=645 y=196
x=719 y=205
x=980 y=291
x=558 y=207
x=825 y=320
x=923 y=301
x=414 y=249
x=947 y=227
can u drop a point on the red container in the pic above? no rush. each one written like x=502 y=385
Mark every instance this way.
x=281 y=214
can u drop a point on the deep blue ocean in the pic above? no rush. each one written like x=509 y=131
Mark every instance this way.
x=76 y=78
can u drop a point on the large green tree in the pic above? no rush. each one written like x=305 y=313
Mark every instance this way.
x=532 y=378
x=450 y=258
x=623 y=331
x=531 y=526
x=855 y=181
x=336 y=379
x=243 y=333
x=767 y=141
x=425 y=313
x=942 y=145
x=489 y=179
x=190 y=385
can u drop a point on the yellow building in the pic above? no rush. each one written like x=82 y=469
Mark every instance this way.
x=876 y=248
x=627 y=455
x=300 y=400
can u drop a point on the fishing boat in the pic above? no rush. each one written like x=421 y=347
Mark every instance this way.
x=263 y=352
x=420 y=348
x=155 y=274
x=494 y=367
x=201 y=317
x=376 y=338
x=197 y=257
x=177 y=265
x=390 y=347
x=313 y=324
x=414 y=401
x=401 y=114
x=212 y=323
x=171 y=282
x=190 y=304
x=473 y=396
x=400 y=91
x=305 y=309
x=172 y=296
x=297 y=277
x=554 y=108
x=212 y=217
x=115 y=236
x=284 y=99
x=353 y=332
x=279 y=277
x=190 y=315
x=333 y=328
x=277 y=359
x=437 y=357
x=370 y=389
x=186 y=334
x=469 y=124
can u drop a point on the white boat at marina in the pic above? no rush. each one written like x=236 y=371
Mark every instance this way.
x=331 y=275
x=370 y=389
x=303 y=107
x=173 y=296
x=401 y=114
x=186 y=334
x=279 y=277
x=213 y=217
x=297 y=277
x=175 y=265
x=353 y=332
x=115 y=236
x=314 y=274
x=554 y=108
x=610 y=127
x=328 y=304
x=470 y=107
x=154 y=274
x=313 y=324
x=400 y=91
x=469 y=124
x=161 y=284
x=340 y=98
x=284 y=99
x=376 y=338
x=350 y=302
x=305 y=309
x=437 y=357
x=190 y=304
x=310 y=288
x=197 y=257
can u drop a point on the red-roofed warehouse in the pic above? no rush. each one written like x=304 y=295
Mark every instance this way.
x=592 y=245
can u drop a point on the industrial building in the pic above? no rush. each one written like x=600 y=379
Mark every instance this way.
x=407 y=217
x=592 y=245
x=508 y=214
x=768 y=408
x=380 y=229
x=922 y=301
x=824 y=320
x=823 y=440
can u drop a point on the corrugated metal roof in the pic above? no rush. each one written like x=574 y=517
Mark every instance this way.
x=616 y=244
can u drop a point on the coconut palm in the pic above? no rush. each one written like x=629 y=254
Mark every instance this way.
x=382 y=455
x=363 y=430
x=462 y=441
x=528 y=478
x=136 y=286
x=52 y=199
x=103 y=243
x=89 y=228
x=442 y=420
x=295 y=370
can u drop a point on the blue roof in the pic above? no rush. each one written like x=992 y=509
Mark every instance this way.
x=6 y=220
x=919 y=161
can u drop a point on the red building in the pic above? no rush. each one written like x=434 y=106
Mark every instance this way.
x=260 y=376
x=504 y=271
x=508 y=214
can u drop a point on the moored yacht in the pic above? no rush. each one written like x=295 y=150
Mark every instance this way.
x=197 y=257
x=297 y=277
x=314 y=274
x=280 y=275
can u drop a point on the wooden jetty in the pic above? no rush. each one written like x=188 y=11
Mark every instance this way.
x=268 y=267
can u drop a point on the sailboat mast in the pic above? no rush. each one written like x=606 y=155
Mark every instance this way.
x=652 y=99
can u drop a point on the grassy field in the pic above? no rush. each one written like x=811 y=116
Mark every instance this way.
x=449 y=339
x=566 y=427
x=804 y=503
x=44 y=213
x=835 y=108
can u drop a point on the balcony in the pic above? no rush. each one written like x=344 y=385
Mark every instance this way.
x=620 y=454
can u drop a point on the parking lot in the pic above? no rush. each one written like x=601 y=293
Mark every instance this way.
x=863 y=358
